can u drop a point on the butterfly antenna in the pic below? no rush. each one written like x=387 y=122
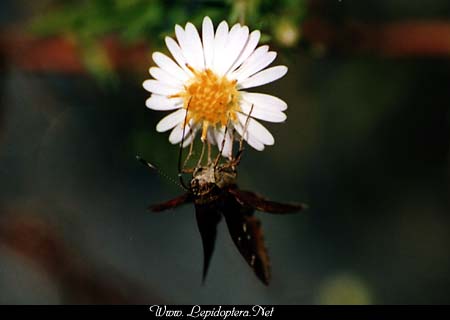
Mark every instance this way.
x=180 y=153
x=162 y=173
x=241 y=141
x=216 y=161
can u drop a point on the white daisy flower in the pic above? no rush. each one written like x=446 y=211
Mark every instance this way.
x=205 y=82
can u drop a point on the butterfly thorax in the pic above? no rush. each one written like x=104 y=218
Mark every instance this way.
x=209 y=182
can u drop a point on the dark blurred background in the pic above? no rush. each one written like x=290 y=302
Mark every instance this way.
x=366 y=145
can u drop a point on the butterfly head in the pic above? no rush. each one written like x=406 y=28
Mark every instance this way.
x=210 y=177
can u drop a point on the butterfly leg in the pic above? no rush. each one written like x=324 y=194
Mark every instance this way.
x=209 y=153
x=237 y=159
x=222 y=146
x=199 y=163
x=191 y=152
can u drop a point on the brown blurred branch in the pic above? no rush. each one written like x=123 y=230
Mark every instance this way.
x=79 y=280
x=397 y=39
x=62 y=54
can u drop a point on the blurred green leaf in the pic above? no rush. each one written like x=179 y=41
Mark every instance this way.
x=150 y=20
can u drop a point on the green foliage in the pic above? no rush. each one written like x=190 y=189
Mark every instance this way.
x=151 y=20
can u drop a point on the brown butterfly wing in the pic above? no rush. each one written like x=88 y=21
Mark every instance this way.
x=178 y=201
x=208 y=217
x=252 y=200
x=246 y=232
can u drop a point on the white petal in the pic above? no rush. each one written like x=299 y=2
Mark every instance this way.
x=167 y=64
x=158 y=102
x=191 y=45
x=251 y=140
x=177 y=54
x=238 y=46
x=254 y=143
x=254 y=58
x=256 y=130
x=224 y=54
x=208 y=41
x=263 y=114
x=264 y=101
x=248 y=50
x=159 y=87
x=171 y=120
x=263 y=77
x=165 y=77
x=189 y=139
x=177 y=134
x=257 y=66
x=175 y=50
x=197 y=47
x=237 y=39
x=220 y=40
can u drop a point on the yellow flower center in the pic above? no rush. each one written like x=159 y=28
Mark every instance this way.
x=210 y=100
